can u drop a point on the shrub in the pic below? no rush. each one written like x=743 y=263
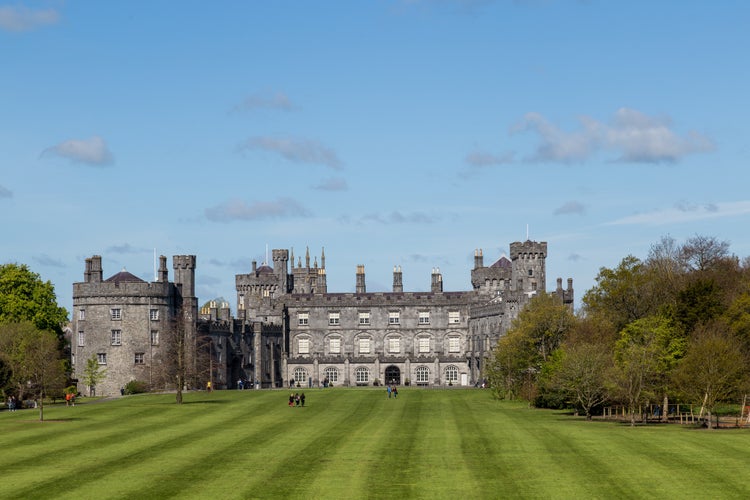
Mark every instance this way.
x=136 y=387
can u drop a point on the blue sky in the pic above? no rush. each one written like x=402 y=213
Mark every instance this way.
x=390 y=132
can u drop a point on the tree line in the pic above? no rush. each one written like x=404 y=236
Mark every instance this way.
x=672 y=327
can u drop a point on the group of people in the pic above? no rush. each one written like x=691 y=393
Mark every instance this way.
x=297 y=399
x=70 y=399
x=392 y=391
x=12 y=403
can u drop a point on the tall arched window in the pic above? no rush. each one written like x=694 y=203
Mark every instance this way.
x=332 y=374
x=363 y=375
x=300 y=375
x=423 y=375
x=451 y=374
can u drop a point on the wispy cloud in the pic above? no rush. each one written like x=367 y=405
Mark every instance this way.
x=127 y=249
x=46 y=260
x=478 y=161
x=394 y=217
x=234 y=210
x=570 y=207
x=19 y=18
x=93 y=151
x=632 y=136
x=277 y=101
x=333 y=184
x=685 y=212
x=5 y=192
x=294 y=150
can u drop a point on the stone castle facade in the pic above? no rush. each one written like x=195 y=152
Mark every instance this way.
x=290 y=330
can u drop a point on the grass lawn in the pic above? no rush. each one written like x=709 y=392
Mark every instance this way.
x=356 y=443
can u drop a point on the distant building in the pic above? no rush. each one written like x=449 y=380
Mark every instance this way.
x=290 y=330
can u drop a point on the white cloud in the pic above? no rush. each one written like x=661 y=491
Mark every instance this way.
x=278 y=100
x=333 y=184
x=632 y=136
x=295 y=150
x=5 y=192
x=20 y=18
x=570 y=207
x=396 y=217
x=683 y=212
x=239 y=210
x=91 y=151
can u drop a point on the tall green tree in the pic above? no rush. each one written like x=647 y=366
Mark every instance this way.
x=93 y=374
x=582 y=373
x=25 y=297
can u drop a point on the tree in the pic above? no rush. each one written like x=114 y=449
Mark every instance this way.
x=701 y=253
x=713 y=368
x=25 y=297
x=93 y=374
x=34 y=360
x=582 y=373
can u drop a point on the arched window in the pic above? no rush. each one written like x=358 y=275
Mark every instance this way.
x=451 y=374
x=423 y=375
x=332 y=374
x=300 y=375
x=363 y=375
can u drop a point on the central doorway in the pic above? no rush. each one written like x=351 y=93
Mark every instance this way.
x=392 y=375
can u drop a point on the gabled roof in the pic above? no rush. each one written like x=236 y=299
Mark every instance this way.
x=124 y=276
x=503 y=262
x=265 y=270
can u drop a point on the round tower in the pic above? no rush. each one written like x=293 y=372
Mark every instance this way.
x=528 y=260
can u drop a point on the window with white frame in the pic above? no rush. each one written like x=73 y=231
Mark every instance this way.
x=364 y=318
x=334 y=345
x=362 y=375
x=139 y=358
x=300 y=375
x=394 y=345
x=394 y=318
x=424 y=344
x=241 y=301
x=303 y=319
x=364 y=346
x=454 y=317
x=451 y=374
x=454 y=344
x=82 y=314
x=423 y=375
x=334 y=318
x=116 y=337
x=101 y=358
x=332 y=374
x=154 y=337
x=424 y=318
x=81 y=338
x=303 y=345
x=153 y=315
x=115 y=313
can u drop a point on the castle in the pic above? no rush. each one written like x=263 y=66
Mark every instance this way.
x=289 y=330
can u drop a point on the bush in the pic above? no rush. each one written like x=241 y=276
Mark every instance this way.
x=136 y=387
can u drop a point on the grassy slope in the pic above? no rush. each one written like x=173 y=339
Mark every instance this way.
x=356 y=443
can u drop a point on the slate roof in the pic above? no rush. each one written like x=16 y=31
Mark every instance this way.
x=503 y=262
x=265 y=270
x=124 y=276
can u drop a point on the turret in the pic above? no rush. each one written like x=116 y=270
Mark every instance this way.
x=437 y=281
x=360 y=285
x=528 y=260
x=163 y=273
x=398 y=284
x=478 y=259
x=184 y=273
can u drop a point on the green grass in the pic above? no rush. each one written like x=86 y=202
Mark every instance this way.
x=356 y=443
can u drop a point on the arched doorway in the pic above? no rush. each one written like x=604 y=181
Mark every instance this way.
x=392 y=375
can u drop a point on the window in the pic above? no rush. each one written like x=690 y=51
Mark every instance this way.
x=364 y=346
x=394 y=344
x=393 y=318
x=332 y=374
x=363 y=375
x=424 y=344
x=154 y=337
x=424 y=318
x=335 y=345
x=115 y=313
x=451 y=374
x=533 y=285
x=454 y=344
x=116 y=337
x=364 y=318
x=82 y=314
x=241 y=301
x=454 y=317
x=101 y=358
x=423 y=375
x=154 y=315
x=303 y=346
x=81 y=338
x=531 y=272
x=303 y=319
x=300 y=375
x=139 y=356
x=334 y=318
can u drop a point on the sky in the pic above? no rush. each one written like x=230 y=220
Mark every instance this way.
x=388 y=132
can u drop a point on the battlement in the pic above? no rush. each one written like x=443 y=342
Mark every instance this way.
x=528 y=249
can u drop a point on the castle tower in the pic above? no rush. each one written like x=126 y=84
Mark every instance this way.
x=398 y=283
x=163 y=274
x=184 y=273
x=280 y=264
x=437 y=281
x=528 y=269
x=360 y=286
